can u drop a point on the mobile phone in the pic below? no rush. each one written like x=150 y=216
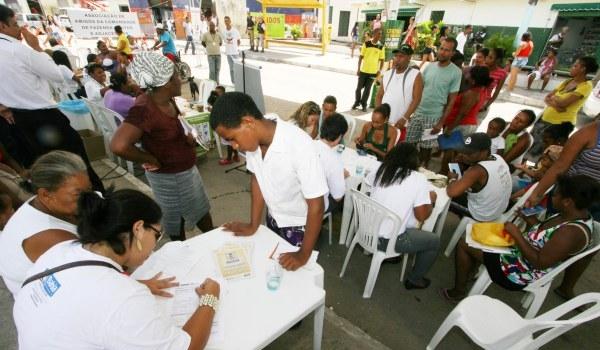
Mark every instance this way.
x=455 y=168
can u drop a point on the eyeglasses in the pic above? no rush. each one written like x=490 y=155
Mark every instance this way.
x=157 y=234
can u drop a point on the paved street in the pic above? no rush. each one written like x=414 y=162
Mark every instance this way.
x=394 y=317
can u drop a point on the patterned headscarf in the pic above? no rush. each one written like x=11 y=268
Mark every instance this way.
x=151 y=69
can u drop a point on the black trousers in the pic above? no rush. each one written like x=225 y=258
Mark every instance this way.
x=365 y=81
x=37 y=132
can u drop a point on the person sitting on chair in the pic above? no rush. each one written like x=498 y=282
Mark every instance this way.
x=542 y=248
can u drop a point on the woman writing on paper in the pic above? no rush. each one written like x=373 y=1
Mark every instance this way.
x=100 y=307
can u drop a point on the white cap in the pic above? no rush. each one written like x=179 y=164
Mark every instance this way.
x=160 y=26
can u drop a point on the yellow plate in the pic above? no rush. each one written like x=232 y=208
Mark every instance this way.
x=490 y=233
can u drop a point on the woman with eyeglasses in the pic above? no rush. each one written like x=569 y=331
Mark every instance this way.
x=76 y=296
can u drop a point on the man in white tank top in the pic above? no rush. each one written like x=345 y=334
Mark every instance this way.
x=486 y=183
x=401 y=87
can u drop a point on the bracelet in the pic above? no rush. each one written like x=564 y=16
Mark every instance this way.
x=210 y=301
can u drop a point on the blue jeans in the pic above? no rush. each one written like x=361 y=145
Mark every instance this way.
x=190 y=40
x=214 y=67
x=230 y=59
x=424 y=244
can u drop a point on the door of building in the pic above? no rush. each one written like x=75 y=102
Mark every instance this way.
x=344 y=22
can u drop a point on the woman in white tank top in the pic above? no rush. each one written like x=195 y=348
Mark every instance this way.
x=48 y=218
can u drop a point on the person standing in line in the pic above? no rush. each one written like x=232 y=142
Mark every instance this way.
x=401 y=88
x=441 y=85
x=250 y=30
x=189 y=36
x=31 y=125
x=462 y=38
x=212 y=41
x=233 y=40
x=494 y=63
x=370 y=62
x=521 y=56
x=261 y=28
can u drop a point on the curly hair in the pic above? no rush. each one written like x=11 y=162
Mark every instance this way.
x=302 y=113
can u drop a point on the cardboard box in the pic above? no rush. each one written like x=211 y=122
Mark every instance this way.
x=93 y=143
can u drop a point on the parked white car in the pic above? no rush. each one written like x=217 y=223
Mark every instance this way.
x=591 y=107
x=32 y=21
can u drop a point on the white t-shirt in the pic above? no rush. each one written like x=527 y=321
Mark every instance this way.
x=398 y=92
x=230 y=38
x=92 y=90
x=26 y=222
x=289 y=173
x=492 y=200
x=497 y=143
x=461 y=38
x=90 y=307
x=188 y=28
x=332 y=164
x=401 y=198
x=69 y=85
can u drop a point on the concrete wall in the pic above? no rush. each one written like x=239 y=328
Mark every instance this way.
x=343 y=5
x=505 y=13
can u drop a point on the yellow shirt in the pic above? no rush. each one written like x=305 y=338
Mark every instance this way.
x=124 y=42
x=553 y=116
x=371 y=54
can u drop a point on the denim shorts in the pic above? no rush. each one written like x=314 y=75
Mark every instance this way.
x=520 y=62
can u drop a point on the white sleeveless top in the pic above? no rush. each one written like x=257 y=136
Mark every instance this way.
x=26 y=222
x=398 y=91
x=492 y=200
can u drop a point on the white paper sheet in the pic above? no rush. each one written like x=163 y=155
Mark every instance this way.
x=428 y=136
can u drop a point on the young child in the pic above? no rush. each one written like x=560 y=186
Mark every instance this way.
x=550 y=156
x=232 y=155
x=287 y=174
x=494 y=129
x=6 y=210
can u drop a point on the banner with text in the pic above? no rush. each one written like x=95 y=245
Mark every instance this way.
x=275 y=24
x=95 y=24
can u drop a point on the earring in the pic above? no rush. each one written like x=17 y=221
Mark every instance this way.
x=138 y=244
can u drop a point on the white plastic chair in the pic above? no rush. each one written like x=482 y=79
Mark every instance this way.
x=370 y=216
x=537 y=290
x=349 y=137
x=493 y=325
x=106 y=121
x=509 y=215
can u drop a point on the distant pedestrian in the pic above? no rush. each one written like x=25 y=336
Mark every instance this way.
x=250 y=30
x=354 y=35
x=189 y=36
x=494 y=63
x=521 y=56
x=462 y=38
x=410 y=35
x=261 y=28
x=370 y=62
x=232 y=40
x=558 y=39
x=376 y=24
x=212 y=41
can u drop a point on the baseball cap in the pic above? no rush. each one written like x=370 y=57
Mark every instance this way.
x=403 y=49
x=476 y=142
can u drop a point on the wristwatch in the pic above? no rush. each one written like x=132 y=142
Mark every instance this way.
x=210 y=301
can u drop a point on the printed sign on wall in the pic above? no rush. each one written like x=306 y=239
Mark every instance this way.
x=95 y=24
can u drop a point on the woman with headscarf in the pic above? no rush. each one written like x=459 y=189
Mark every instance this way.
x=168 y=154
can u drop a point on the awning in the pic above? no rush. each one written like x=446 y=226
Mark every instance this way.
x=304 y=4
x=580 y=7
x=369 y=11
x=408 y=11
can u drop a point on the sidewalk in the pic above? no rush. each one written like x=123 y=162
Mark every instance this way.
x=338 y=60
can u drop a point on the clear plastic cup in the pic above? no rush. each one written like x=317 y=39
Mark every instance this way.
x=274 y=275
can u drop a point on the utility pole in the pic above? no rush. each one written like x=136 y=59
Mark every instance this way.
x=525 y=22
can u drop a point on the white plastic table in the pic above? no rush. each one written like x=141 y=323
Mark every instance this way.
x=253 y=316
x=435 y=222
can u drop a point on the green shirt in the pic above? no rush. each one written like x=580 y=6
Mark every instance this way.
x=438 y=82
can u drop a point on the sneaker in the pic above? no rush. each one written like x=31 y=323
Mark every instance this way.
x=225 y=161
x=354 y=106
x=364 y=109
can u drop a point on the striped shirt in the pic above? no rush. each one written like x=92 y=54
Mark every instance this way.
x=588 y=161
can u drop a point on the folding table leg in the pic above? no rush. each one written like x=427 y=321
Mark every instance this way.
x=318 y=326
